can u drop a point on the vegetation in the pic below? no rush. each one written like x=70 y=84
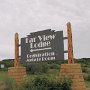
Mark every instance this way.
x=3 y=75
x=37 y=68
x=45 y=83
x=48 y=71
x=7 y=63
x=38 y=83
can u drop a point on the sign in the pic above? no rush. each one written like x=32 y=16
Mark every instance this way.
x=42 y=46
x=2 y=66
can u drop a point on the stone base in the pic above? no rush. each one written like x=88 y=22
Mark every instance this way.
x=74 y=72
x=18 y=73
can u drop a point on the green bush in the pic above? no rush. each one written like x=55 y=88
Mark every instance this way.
x=3 y=69
x=44 y=83
x=7 y=63
x=54 y=66
x=87 y=77
x=84 y=70
x=38 y=83
x=37 y=68
x=9 y=83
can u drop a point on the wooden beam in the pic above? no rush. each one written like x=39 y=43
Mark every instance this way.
x=70 y=44
x=16 y=60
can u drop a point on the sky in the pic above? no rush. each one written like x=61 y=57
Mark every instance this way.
x=26 y=16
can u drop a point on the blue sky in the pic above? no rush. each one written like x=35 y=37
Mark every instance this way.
x=25 y=16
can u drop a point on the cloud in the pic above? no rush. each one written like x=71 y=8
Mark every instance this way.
x=25 y=16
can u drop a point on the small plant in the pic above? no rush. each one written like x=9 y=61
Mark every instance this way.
x=54 y=66
x=9 y=84
x=87 y=77
x=66 y=84
x=45 y=83
x=84 y=70
x=37 y=68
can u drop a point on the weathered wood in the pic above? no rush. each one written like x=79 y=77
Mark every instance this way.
x=16 y=60
x=70 y=45
x=17 y=72
x=72 y=70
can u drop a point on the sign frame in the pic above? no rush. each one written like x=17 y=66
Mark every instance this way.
x=39 y=42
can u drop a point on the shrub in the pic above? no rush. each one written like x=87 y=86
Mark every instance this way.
x=87 y=77
x=44 y=83
x=84 y=70
x=54 y=66
x=9 y=83
x=66 y=84
x=37 y=68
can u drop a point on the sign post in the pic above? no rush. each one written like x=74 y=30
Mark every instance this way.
x=17 y=72
x=16 y=60
x=70 y=45
x=72 y=70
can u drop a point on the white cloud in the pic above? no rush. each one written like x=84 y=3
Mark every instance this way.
x=25 y=16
